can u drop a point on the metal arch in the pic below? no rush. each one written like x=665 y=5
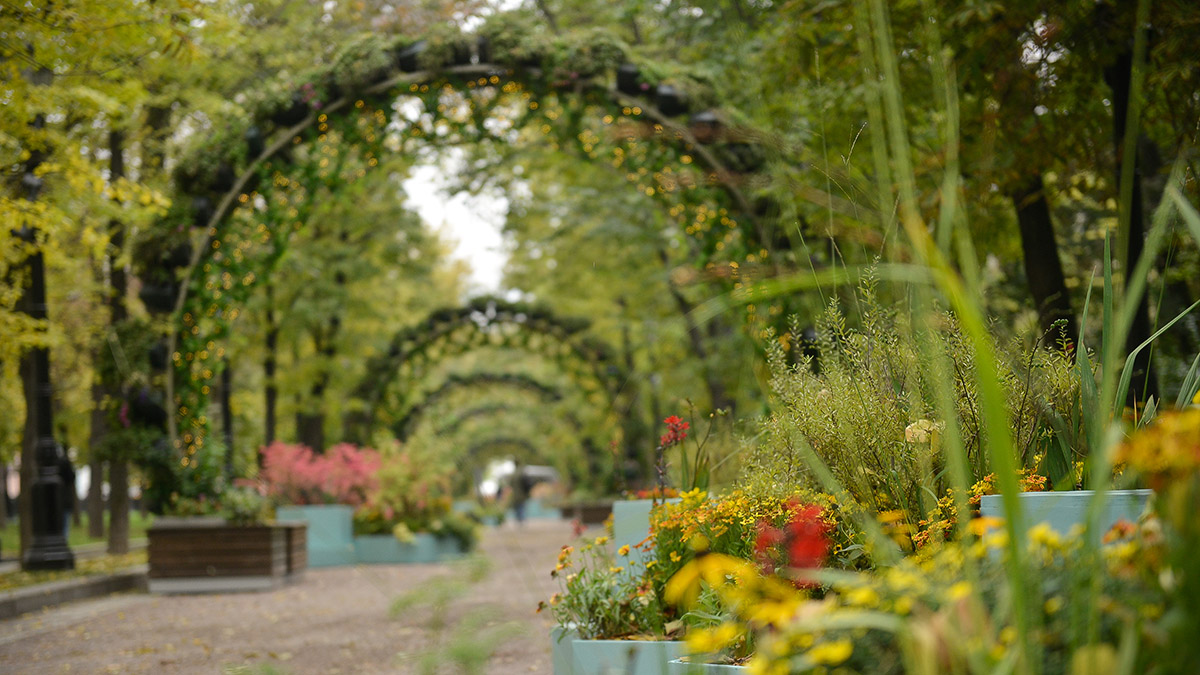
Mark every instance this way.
x=520 y=381
x=485 y=410
x=410 y=345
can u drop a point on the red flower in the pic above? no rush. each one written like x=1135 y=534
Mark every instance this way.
x=808 y=538
x=676 y=431
x=802 y=543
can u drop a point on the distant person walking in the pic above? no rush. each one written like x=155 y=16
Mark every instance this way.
x=521 y=486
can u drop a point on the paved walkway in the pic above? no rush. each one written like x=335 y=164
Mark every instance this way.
x=334 y=621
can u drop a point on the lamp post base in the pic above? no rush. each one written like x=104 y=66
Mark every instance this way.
x=48 y=553
x=49 y=549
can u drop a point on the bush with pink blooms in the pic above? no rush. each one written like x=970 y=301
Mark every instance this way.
x=344 y=474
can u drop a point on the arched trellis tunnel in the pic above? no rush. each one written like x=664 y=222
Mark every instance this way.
x=513 y=404
x=708 y=160
x=391 y=388
x=546 y=393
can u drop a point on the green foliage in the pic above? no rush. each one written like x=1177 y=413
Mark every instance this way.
x=867 y=406
x=244 y=506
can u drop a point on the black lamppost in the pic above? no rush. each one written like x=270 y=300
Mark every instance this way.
x=49 y=549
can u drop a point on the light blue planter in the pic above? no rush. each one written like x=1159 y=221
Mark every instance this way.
x=1064 y=510
x=387 y=549
x=681 y=667
x=561 y=654
x=449 y=548
x=330 y=532
x=623 y=657
x=631 y=526
x=536 y=510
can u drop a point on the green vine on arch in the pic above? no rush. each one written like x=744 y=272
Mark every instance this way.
x=487 y=322
x=546 y=393
x=365 y=77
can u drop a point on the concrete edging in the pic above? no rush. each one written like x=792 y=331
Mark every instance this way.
x=20 y=601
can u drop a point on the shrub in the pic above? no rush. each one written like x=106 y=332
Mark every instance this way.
x=413 y=489
x=294 y=474
x=867 y=408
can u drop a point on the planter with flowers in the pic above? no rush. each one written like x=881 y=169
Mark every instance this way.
x=615 y=604
x=321 y=490
x=224 y=545
x=409 y=517
x=607 y=620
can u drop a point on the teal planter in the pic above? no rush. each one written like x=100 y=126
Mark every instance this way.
x=330 y=532
x=623 y=657
x=374 y=549
x=561 y=654
x=631 y=526
x=536 y=510
x=681 y=667
x=1064 y=510
x=449 y=548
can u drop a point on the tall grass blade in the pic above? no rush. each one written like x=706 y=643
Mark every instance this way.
x=1107 y=327
x=1088 y=395
x=1191 y=385
x=1127 y=372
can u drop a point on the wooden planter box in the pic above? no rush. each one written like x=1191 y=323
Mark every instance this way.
x=589 y=513
x=206 y=555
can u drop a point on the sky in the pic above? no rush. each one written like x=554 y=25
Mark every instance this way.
x=471 y=222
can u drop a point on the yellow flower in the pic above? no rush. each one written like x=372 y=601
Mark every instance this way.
x=601 y=540
x=616 y=570
x=863 y=597
x=1045 y=535
x=624 y=550
x=675 y=557
x=772 y=613
x=959 y=591
x=760 y=665
x=831 y=653
x=1098 y=659
x=715 y=569
x=984 y=524
x=709 y=640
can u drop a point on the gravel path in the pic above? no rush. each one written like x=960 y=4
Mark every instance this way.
x=336 y=620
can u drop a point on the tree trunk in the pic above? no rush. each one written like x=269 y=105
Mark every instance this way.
x=4 y=495
x=638 y=451
x=95 y=500
x=95 y=495
x=1043 y=269
x=227 y=415
x=1144 y=383
x=118 y=506
x=718 y=396
x=118 y=519
x=271 y=391
x=28 y=459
